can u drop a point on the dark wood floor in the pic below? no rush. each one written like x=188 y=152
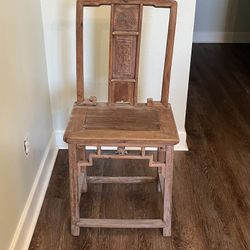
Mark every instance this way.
x=211 y=198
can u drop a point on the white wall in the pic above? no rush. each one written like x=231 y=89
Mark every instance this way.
x=24 y=108
x=59 y=30
x=222 y=21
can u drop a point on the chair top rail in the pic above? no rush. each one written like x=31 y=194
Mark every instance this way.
x=153 y=3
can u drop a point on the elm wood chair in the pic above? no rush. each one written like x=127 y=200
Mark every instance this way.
x=122 y=122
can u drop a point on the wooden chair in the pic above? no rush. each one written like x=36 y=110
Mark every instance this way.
x=122 y=122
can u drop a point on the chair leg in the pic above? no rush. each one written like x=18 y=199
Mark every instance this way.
x=160 y=158
x=158 y=183
x=74 y=190
x=82 y=156
x=167 y=200
x=84 y=184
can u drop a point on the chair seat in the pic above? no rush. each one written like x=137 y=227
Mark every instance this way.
x=122 y=125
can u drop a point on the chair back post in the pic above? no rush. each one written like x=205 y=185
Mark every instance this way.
x=79 y=53
x=169 y=54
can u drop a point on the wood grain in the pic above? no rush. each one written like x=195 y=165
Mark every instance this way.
x=123 y=180
x=126 y=17
x=149 y=157
x=169 y=54
x=154 y=3
x=167 y=194
x=124 y=53
x=79 y=53
x=111 y=223
x=122 y=91
x=74 y=189
x=116 y=126
x=123 y=61
x=115 y=119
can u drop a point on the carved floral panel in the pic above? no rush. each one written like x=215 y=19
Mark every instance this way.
x=126 y=17
x=124 y=57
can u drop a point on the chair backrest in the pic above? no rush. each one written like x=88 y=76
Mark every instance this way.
x=125 y=36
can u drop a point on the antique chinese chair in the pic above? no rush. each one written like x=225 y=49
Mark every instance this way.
x=122 y=122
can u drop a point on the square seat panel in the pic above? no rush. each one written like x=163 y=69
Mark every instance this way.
x=122 y=125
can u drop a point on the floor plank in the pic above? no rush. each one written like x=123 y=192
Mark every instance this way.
x=211 y=188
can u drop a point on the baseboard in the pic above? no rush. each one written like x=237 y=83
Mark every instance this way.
x=27 y=223
x=182 y=146
x=221 y=37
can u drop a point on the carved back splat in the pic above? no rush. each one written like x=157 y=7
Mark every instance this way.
x=125 y=35
x=125 y=32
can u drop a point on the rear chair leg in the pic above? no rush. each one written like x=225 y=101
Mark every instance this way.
x=82 y=156
x=160 y=183
x=160 y=158
x=84 y=184
x=167 y=200
x=74 y=190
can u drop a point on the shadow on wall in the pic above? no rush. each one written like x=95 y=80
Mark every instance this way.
x=60 y=46
x=238 y=19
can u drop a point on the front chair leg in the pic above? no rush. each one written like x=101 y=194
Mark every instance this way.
x=167 y=201
x=74 y=190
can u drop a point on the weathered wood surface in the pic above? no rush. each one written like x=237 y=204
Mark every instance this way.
x=154 y=3
x=167 y=192
x=104 y=125
x=149 y=157
x=122 y=119
x=82 y=171
x=125 y=36
x=79 y=53
x=169 y=55
x=122 y=180
x=125 y=223
x=160 y=171
x=74 y=189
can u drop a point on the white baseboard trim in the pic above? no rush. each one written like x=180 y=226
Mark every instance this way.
x=182 y=146
x=221 y=37
x=30 y=214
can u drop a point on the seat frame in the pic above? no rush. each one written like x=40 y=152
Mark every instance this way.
x=125 y=28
